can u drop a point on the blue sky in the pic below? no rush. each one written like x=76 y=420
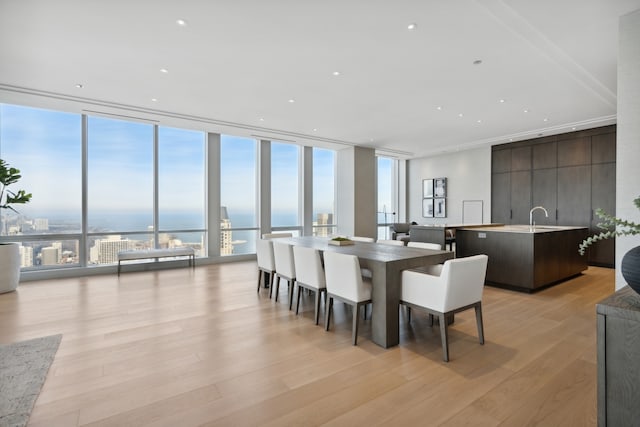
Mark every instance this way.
x=46 y=146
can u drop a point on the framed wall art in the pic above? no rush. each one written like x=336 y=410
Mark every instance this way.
x=440 y=208
x=427 y=208
x=427 y=188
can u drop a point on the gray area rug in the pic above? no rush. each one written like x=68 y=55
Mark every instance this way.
x=23 y=369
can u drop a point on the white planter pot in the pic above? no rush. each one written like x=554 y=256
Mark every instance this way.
x=9 y=267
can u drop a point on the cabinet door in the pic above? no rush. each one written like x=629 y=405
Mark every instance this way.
x=603 y=196
x=574 y=152
x=603 y=148
x=545 y=155
x=545 y=193
x=520 y=197
x=521 y=159
x=501 y=161
x=500 y=198
x=574 y=196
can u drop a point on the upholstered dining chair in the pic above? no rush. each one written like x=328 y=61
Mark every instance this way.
x=345 y=283
x=390 y=242
x=266 y=261
x=424 y=245
x=457 y=287
x=362 y=239
x=309 y=275
x=276 y=235
x=285 y=268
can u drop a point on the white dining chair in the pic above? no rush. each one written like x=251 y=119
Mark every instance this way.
x=266 y=262
x=345 y=283
x=285 y=268
x=276 y=235
x=362 y=239
x=390 y=242
x=425 y=245
x=458 y=287
x=310 y=275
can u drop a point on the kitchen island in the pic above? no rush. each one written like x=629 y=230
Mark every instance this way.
x=525 y=258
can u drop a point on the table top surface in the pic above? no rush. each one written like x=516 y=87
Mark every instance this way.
x=370 y=251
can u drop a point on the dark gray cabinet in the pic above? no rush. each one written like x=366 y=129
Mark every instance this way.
x=618 y=323
x=545 y=193
x=571 y=175
x=574 y=196
x=603 y=196
x=501 y=198
x=520 y=197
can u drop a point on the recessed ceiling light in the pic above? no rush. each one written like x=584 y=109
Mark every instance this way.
x=79 y=86
x=164 y=70
x=479 y=121
x=526 y=111
x=477 y=62
x=412 y=26
x=154 y=99
x=573 y=128
x=261 y=119
x=292 y=100
x=336 y=73
x=511 y=139
x=460 y=115
x=181 y=22
x=439 y=108
x=502 y=101
x=315 y=129
x=545 y=120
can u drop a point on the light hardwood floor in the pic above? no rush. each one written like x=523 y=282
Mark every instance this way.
x=188 y=347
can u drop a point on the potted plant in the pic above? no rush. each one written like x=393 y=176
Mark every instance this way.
x=10 y=252
x=613 y=226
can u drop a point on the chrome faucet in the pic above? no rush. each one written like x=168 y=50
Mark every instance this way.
x=531 y=223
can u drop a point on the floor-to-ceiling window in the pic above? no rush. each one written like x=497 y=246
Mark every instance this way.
x=324 y=168
x=285 y=187
x=120 y=188
x=181 y=189
x=386 y=196
x=46 y=147
x=238 y=195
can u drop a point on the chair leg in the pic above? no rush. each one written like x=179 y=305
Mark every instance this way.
x=298 y=299
x=408 y=314
x=277 y=287
x=444 y=337
x=479 y=322
x=292 y=288
x=271 y=284
x=327 y=316
x=364 y=312
x=318 y=292
x=260 y=274
x=354 y=327
x=431 y=320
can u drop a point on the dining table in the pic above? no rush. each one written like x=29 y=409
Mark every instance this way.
x=386 y=263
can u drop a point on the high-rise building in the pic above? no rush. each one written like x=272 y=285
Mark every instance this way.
x=226 y=237
x=50 y=255
x=26 y=256
x=105 y=251
x=324 y=219
x=41 y=224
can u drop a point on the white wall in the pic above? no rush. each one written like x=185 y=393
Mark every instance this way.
x=628 y=132
x=468 y=176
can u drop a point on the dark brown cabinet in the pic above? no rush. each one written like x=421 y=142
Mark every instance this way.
x=545 y=193
x=574 y=196
x=571 y=175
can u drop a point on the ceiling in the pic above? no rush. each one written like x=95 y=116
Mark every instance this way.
x=235 y=66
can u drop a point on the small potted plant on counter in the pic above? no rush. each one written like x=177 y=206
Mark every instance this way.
x=614 y=226
x=341 y=241
x=10 y=252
